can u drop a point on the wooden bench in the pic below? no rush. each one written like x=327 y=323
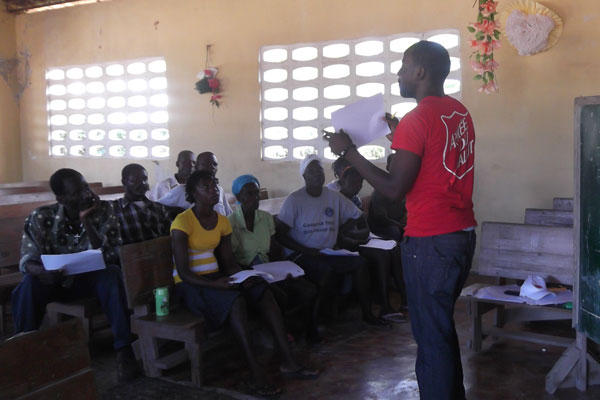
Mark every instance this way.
x=146 y=266
x=33 y=188
x=516 y=251
x=116 y=191
x=53 y=363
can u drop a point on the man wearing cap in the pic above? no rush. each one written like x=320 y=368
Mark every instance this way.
x=433 y=167
x=185 y=165
x=308 y=222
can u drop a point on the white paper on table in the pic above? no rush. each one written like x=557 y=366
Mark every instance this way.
x=380 y=244
x=499 y=293
x=280 y=270
x=241 y=276
x=75 y=263
x=364 y=120
x=339 y=252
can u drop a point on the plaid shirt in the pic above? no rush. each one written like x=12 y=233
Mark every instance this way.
x=141 y=221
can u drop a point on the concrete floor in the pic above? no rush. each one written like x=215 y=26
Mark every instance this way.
x=357 y=363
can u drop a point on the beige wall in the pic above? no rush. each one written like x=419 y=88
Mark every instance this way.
x=10 y=151
x=524 y=147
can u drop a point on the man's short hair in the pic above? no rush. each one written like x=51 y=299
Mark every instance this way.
x=433 y=57
x=129 y=168
x=184 y=153
x=58 y=179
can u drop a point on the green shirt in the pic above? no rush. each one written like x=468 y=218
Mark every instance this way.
x=247 y=245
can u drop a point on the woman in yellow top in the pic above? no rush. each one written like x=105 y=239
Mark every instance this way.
x=197 y=234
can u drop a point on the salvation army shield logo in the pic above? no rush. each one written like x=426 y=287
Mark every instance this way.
x=460 y=142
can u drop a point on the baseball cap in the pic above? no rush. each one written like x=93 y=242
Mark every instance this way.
x=534 y=287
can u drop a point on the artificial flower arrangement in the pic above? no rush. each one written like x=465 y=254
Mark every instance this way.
x=487 y=38
x=208 y=82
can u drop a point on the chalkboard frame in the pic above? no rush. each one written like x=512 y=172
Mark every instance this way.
x=580 y=103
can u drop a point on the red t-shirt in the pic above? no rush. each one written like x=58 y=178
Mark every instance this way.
x=440 y=131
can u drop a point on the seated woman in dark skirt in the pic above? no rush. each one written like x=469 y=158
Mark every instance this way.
x=197 y=234
x=253 y=243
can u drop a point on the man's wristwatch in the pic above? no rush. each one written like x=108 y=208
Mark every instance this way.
x=343 y=152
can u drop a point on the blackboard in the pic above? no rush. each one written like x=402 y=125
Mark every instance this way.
x=587 y=216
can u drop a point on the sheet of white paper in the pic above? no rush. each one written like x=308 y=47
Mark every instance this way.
x=499 y=293
x=380 y=244
x=363 y=120
x=74 y=263
x=339 y=252
x=245 y=274
x=279 y=270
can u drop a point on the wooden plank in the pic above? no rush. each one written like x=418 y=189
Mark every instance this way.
x=272 y=206
x=76 y=387
x=39 y=358
x=146 y=266
x=535 y=216
x=517 y=250
x=519 y=265
x=36 y=188
x=563 y=203
x=531 y=337
x=49 y=196
x=172 y=360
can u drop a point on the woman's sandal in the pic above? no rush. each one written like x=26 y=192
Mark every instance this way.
x=302 y=373
x=398 y=317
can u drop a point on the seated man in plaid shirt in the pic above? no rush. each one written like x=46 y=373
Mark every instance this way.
x=140 y=219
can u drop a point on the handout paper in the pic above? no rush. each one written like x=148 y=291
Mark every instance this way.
x=380 y=244
x=74 y=263
x=241 y=276
x=339 y=252
x=280 y=270
x=363 y=121
x=499 y=293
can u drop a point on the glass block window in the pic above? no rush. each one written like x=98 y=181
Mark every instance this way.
x=302 y=84
x=109 y=110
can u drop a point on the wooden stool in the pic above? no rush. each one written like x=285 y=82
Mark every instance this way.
x=146 y=266
x=83 y=309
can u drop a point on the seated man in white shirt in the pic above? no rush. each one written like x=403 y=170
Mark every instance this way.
x=308 y=222
x=185 y=166
x=206 y=161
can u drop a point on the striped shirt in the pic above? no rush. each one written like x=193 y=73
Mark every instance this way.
x=201 y=242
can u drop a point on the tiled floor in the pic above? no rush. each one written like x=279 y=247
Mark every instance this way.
x=359 y=363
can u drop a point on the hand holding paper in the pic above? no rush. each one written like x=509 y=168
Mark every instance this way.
x=363 y=120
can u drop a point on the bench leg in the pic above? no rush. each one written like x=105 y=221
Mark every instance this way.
x=474 y=312
x=195 y=355
x=149 y=349
x=54 y=318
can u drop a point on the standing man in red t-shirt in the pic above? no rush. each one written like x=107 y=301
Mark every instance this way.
x=433 y=168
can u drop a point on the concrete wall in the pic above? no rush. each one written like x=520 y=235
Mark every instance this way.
x=10 y=151
x=524 y=150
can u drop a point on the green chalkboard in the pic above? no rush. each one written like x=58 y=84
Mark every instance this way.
x=587 y=215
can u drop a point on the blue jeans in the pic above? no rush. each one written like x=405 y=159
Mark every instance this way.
x=30 y=298
x=435 y=270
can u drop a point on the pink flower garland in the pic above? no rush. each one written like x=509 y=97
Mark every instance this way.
x=487 y=39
